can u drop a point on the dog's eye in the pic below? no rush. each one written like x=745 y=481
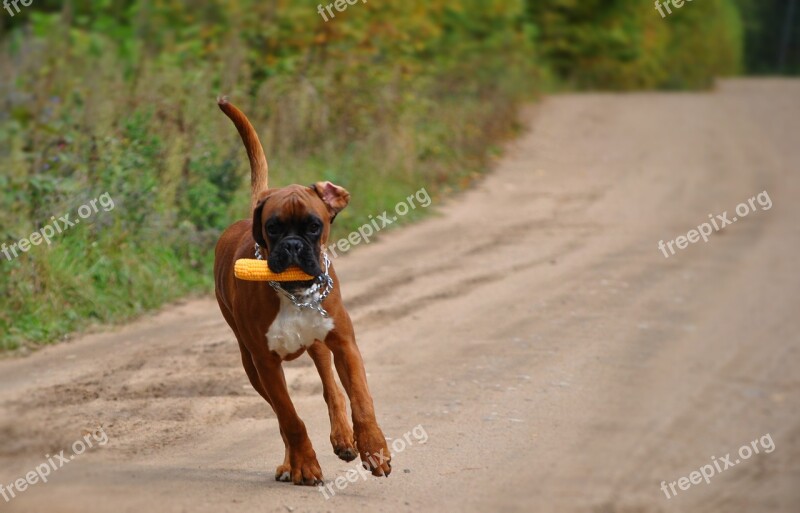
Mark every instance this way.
x=273 y=230
x=314 y=229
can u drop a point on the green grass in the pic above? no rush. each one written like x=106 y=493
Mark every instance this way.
x=118 y=96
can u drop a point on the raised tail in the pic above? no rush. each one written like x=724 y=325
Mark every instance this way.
x=259 y=169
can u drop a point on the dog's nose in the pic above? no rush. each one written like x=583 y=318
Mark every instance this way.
x=294 y=247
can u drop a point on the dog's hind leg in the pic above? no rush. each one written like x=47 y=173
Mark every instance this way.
x=284 y=471
x=252 y=373
x=341 y=433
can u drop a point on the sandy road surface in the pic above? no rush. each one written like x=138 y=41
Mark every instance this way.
x=556 y=360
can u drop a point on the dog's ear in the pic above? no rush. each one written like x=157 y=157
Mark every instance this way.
x=334 y=197
x=258 y=226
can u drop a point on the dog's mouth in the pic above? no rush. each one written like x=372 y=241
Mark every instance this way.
x=297 y=287
x=295 y=252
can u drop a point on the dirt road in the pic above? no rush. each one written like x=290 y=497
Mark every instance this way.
x=553 y=357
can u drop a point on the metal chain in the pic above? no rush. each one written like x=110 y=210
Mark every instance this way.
x=316 y=297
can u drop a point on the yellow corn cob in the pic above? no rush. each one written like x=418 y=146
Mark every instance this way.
x=249 y=269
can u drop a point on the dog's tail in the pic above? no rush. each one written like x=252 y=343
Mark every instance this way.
x=259 y=169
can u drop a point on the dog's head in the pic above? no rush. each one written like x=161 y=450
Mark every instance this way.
x=293 y=223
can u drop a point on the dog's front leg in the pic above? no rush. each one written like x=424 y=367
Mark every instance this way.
x=305 y=469
x=370 y=442
x=341 y=432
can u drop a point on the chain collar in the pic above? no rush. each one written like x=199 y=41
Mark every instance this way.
x=259 y=256
x=313 y=297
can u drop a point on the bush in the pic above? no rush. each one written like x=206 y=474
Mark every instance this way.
x=626 y=44
x=119 y=97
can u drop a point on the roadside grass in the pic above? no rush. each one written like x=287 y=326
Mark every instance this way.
x=388 y=99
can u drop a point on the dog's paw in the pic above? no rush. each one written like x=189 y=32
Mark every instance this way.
x=344 y=445
x=283 y=473
x=306 y=470
x=375 y=455
x=346 y=453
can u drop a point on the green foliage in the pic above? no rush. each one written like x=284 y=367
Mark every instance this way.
x=626 y=44
x=119 y=97
x=772 y=36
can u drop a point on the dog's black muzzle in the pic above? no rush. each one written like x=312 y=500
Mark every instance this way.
x=297 y=251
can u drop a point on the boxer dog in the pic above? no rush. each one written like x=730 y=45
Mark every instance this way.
x=279 y=322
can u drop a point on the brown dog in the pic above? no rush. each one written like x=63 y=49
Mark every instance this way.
x=291 y=227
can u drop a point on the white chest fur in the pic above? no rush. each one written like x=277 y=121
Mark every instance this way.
x=295 y=328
